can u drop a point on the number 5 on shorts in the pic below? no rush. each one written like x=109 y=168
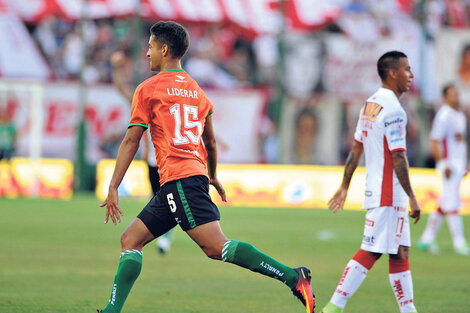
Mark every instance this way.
x=171 y=202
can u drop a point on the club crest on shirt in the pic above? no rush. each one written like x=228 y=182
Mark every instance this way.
x=370 y=111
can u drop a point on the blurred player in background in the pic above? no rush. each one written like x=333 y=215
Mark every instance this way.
x=381 y=135
x=449 y=149
x=118 y=59
x=178 y=113
x=7 y=136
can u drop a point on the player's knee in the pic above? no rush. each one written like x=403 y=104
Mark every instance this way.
x=128 y=243
x=403 y=253
x=212 y=252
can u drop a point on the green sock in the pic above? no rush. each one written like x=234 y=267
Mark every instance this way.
x=129 y=268
x=245 y=255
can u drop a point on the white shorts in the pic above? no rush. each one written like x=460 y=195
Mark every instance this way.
x=385 y=229
x=450 y=197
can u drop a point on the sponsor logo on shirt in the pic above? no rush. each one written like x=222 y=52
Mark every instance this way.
x=395 y=121
x=370 y=111
x=181 y=79
x=368 y=240
x=368 y=193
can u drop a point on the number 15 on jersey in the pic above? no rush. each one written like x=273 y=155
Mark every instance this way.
x=190 y=119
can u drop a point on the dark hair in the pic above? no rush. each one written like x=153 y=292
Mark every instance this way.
x=389 y=61
x=172 y=34
x=465 y=49
x=306 y=111
x=446 y=88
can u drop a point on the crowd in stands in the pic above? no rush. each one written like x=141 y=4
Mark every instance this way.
x=220 y=56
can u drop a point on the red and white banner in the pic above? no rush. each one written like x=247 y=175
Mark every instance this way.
x=19 y=56
x=236 y=119
x=255 y=15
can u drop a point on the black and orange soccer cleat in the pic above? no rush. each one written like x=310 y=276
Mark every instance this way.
x=99 y=311
x=303 y=290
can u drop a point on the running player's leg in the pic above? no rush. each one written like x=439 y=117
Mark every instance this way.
x=199 y=217
x=154 y=220
x=130 y=263
x=400 y=279
x=217 y=246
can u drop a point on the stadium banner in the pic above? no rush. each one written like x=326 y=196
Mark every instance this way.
x=308 y=187
x=237 y=116
x=19 y=54
x=254 y=15
x=134 y=184
x=44 y=178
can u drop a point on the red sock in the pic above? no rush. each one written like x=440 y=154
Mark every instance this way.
x=398 y=265
x=364 y=258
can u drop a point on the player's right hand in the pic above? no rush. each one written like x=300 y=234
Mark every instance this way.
x=220 y=189
x=336 y=202
x=112 y=207
x=415 y=210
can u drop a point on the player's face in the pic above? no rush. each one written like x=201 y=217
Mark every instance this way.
x=452 y=97
x=404 y=75
x=154 y=53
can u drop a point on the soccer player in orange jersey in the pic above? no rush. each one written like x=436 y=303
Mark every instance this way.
x=178 y=114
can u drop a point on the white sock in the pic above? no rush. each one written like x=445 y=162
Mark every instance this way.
x=352 y=278
x=402 y=286
x=456 y=229
x=432 y=227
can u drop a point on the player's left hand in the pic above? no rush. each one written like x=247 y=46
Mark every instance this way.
x=112 y=207
x=415 y=209
x=220 y=189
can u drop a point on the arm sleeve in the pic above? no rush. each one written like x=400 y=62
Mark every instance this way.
x=438 y=131
x=209 y=106
x=358 y=132
x=139 y=109
x=395 y=130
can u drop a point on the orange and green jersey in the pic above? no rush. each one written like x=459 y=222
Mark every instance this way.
x=173 y=106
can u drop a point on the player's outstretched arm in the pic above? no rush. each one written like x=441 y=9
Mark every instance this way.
x=210 y=144
x=337 y=201
x=400 y=164
x=126 y=154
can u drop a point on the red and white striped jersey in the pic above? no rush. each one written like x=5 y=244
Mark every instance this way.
x=450 y=128
x=381 y=130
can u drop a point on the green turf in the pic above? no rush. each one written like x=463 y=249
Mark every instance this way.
x=58 y=256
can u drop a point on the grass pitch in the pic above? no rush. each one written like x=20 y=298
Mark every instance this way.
x=58 y=256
